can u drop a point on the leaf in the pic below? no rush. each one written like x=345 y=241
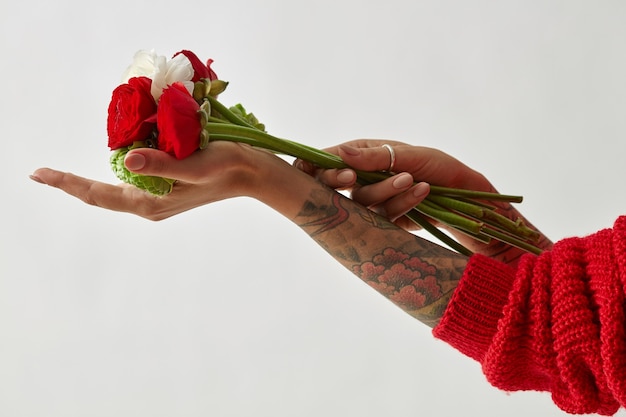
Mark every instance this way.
x=240 y=111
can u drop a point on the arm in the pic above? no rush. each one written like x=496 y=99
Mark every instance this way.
x=397 y=195
x=417 y=275
x=498 y=315
x=556 y=323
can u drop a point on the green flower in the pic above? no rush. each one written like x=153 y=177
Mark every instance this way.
x=154 y=185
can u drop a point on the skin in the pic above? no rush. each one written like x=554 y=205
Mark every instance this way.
x=397 y=195
x=417 y=275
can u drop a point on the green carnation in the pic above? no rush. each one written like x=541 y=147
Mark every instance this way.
x=154 y=185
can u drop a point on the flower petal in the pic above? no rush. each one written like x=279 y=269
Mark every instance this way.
x=143 y=65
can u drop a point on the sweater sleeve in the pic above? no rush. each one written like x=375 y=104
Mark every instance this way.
x=556 y=324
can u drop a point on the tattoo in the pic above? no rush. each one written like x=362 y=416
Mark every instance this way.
x=336 y=215
x=419 y=287
x=376 y=221
x=417 y=275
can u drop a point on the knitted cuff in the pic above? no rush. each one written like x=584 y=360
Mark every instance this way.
x=471 y=318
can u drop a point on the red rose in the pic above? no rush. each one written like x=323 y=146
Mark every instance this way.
x=131 y=113
x=200 y=70
x=178 y=122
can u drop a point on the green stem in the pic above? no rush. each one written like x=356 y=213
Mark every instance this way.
x=513 y=241
x=447 y=217
x=228 y=115
x=278 y=144
x=421 y=221
x=487 y=216
x=241 y=139
x=216 y=120
x=457 y=192
x=440 y=205
x=265 y=140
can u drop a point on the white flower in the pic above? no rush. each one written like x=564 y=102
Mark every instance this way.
x=161 y=71
x=144 y=63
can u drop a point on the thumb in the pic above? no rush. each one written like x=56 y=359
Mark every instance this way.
x=216 y=159
x=147 y=161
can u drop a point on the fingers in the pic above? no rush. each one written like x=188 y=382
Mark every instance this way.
x=425 y=164
x=337 y=178
x=202 y=178
x=377 y=158
x=91 y=192
x=364 y=155
x=393 y=197
x=147 y=161
x=217 y=159
x=379 y=192
x=364 y=144
x=398 y=206
x=334 y=178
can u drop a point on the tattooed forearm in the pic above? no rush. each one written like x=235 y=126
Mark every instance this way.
x=420 y=287
x=417 y=275
x=376 y=221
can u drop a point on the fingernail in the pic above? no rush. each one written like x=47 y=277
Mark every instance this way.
x=36 y=179
x=402 y=181
x=346 y=176
x=349 y=150
x=135 y=161
x=299 y=165
x=421 y=189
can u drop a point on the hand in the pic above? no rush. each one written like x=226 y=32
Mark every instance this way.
x=222 y=170
x=397 y=195
x=416 y=168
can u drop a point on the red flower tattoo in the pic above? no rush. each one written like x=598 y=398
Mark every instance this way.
x=407 y=280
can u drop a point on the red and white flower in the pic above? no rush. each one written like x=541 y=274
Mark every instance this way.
x=161 y=71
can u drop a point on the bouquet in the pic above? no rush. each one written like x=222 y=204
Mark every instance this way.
x=172 y=105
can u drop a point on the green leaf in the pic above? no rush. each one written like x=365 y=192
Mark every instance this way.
x=240 y=111
x=154 y=185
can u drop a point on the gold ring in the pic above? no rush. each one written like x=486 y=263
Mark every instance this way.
x=392 y=155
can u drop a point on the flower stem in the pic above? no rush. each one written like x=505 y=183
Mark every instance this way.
x=452 y=207
x=228 y=115
x=513 y=241
x=448 y=217
x=423 y=222
x=267 y=141
x=457 y=192
x=487 y=216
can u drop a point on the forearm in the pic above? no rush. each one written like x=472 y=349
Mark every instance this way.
x=415 y=274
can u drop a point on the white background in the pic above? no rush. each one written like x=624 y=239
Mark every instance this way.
x=230 y=310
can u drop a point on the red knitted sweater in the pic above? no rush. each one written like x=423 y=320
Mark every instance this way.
x=557 y=323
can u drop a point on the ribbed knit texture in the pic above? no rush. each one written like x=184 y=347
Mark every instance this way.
x=557 y=323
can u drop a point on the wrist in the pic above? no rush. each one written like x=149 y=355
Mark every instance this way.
x=276 y=183
x=255 y=172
